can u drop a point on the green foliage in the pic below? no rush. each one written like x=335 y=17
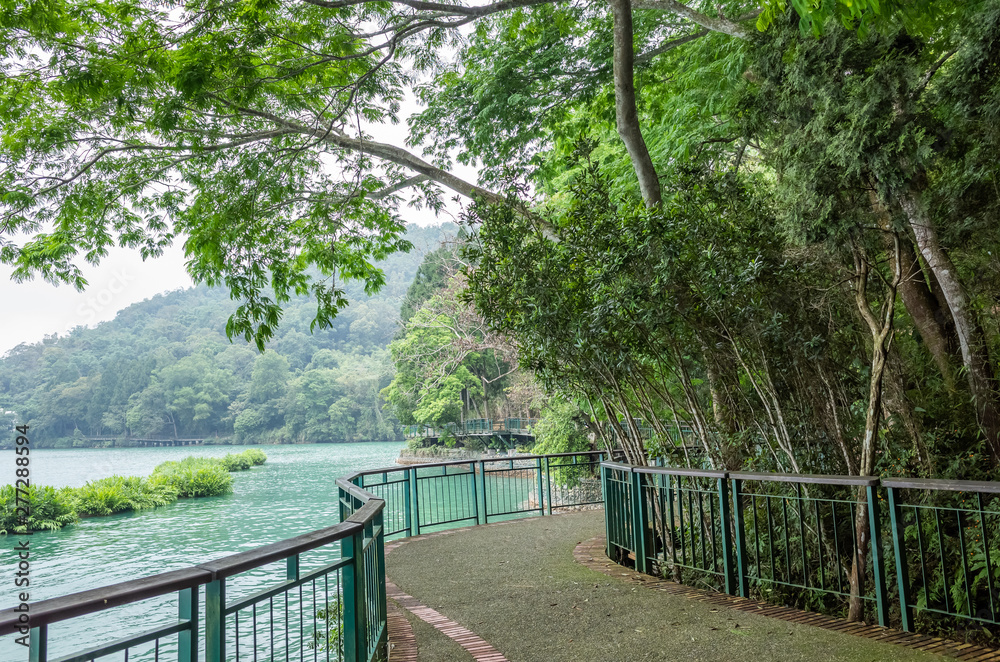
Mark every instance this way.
x=559 y=431
x=120 y=493
x=328 y=637
x=164 y=368
x=50 y=509
x=195 y=477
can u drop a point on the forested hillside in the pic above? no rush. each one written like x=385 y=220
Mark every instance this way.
x=165 y=368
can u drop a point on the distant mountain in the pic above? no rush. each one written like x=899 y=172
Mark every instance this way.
x=164 y=368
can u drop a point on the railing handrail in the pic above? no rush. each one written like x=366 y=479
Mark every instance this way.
x=99 y=599
x=814 y=479
x=448 y=463
x=983 y=486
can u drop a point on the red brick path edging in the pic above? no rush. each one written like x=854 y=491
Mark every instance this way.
x=591 y=553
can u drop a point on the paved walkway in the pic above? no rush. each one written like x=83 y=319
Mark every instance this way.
x=515 y=592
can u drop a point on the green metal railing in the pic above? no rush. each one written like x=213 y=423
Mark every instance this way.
x=425 y=497
x=473 y=427
x=324 y=600
x=323 y=595
x=946 y=548
x=934 y=549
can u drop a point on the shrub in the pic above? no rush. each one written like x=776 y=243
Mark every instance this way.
x=256 y=456
x=236 y=462
x=50 y=509
x=196 y=477
x=120 y=493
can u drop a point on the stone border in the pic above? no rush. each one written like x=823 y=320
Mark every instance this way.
x=591 y=553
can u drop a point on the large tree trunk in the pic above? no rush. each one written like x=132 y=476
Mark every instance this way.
x=970 y=337
x=881 y=330
x=626 y=114
x=918 y=298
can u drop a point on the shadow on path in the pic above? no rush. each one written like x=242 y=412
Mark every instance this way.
x=518 y=587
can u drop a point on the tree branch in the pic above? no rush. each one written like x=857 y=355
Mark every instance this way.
x=721 y=24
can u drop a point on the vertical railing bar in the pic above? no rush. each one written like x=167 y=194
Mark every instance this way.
x=38 y=644
x=541 y=494
x=944 y=570
x=800 y=505
x=548 y=484
x=741 y=543
x=770 y=534
x=784 y=519
x=711 y=520
x=877 y=554
x=728 y=565
x=898 y=530
x=187 y=610
x=701 y=524
x=215 y=635
x=836 y=545
x=986 y=554
x=756 y=535
x=920 y=553
x=819 y=547
x=672 y=525
x=965 y=563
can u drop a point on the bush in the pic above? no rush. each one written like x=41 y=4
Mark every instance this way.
x=257 y=456
x=120 y=493
x=50 y=509
x=196 y=477
x=236 y=462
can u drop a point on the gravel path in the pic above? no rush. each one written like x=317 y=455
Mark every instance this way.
x=518 y=587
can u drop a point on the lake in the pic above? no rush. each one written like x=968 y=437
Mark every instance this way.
x=293 y=493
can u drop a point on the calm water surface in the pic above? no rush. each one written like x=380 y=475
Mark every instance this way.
x=293 y=493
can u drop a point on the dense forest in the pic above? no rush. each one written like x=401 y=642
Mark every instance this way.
x=164 y=368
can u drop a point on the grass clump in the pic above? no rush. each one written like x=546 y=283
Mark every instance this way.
x=196 y=477
x=49 y=509
x=120 y=493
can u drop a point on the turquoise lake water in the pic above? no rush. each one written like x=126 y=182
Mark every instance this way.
x=293 y=493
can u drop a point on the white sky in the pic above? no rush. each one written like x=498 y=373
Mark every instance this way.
x=36 y=308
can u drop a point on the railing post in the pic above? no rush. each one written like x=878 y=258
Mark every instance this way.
x=898 y=530
x=639 y=517
x=187 y=610
x=379 y=532
x=741 y=541
x=215 y=621
x=548 y=487
x=538 y=486
x=878 y=560
x=38 y=644
x=608 y=510
x=292 y=567
x=407 y=505
x=728 y=562
x=472 y=485
x=414 y=502
x=355 y=627
x=484 y=518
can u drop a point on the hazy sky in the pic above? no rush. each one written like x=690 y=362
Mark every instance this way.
x=35 y=309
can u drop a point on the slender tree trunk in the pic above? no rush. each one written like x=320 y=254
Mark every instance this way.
x=626 y=113
x=882 y=332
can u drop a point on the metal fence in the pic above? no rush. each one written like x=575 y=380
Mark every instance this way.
x=324 y=597
x=929 y=546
